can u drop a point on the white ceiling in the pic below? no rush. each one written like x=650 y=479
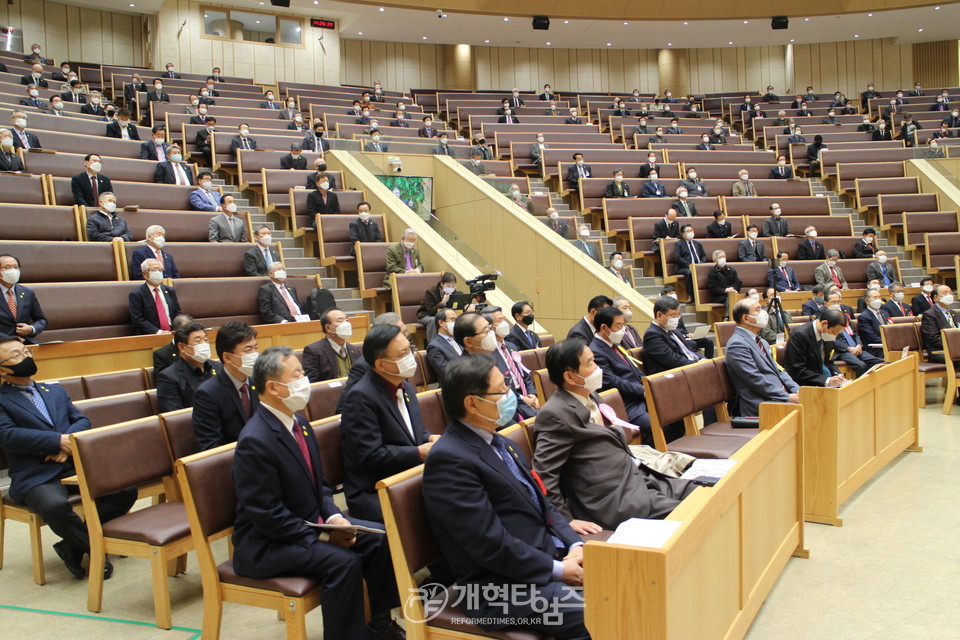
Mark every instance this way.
x=926 y=24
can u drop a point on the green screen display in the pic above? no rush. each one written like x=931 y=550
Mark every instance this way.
x=415 y=191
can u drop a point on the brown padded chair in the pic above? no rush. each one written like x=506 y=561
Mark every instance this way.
x=531 y=359
x=431 y=411
x=178 y=429
x=324 y=397
x=896 y=338
x=413 y=547
x=206 y=482
x=45 y=261
x=124 y=455
x=73 y=386
x=371 y=267
x=519 y=434
x=904 y=319
x=23 y=188
x=85 y=311
x=330 y=440
x=114 y=383
x=723 y=331
x=119 y=408
x=429 y=373
x=407 y=293
x=710 y=386
x=613 y=398
x=545 y=388
x=546 y=339
x=38 y=222
x=951 y=353
x=418 y=379
x=11 y=510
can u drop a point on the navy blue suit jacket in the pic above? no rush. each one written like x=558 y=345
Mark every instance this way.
x=26 y=437
x=143 y=308
x=776 y=280
x=521 y=340
x=484 y=520
x=618 y=374
x=275 y=496
x=439 y=354
x=661 y=352
x=218 y=413
x=868 y=326
x=28 y=311
x=376 y=442
x=146 y=252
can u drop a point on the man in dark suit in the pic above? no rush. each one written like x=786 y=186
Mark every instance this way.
x=104 y=225
x=116 y=128
x=870 y=321
x=810 y=248
x=555 y=223
x=578 y=170
x=782 y=277
x=806 y=359
x=35 y=422
x=280 y=488
x=170 y=73
x=895 y=307
x=684 y=206
x=631 y=339
x=33 y=98
x=243 y=139
x=168 y=353
x=583 y=459
x=94 y=106
x=363 y=229
x=574 y=118
x=322 y=199
x=153 y=305
x=653 y=188
x=782 y=171
x=320 y=174
x=775 y=225
x=277 y=301
x=688 y=252
x=315 y=140
x=225 y=402
x=20 y=313
x=584 y=327
x=131 y=89
x=157 y=94
x=508 y=117
x=153 y=249
x=400 y=120
x=814 y=306
x=620 y=370
x=382 y=430
x=666 y=227
x=35 y=55
x=664 y=346
x=750 y=248
x=88 y=186
x=848 y=347
x=270 y=103
x=156 y=148
x=257 y=261
x=923 y=300
x=866 y=247
x=522 y=336
x=934 y=320
x=494 y=526
x=510 y=365
x=22 y=139
x=35 y=77
x=294 y=159
x=174 y=170
x=9 y=160
x=73 y=93
x=443 y=348
x=427 y=130
x=651 y=166
x=332 y=356
x=178 y=383
x=585 y=245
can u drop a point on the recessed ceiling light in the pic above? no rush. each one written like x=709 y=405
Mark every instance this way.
x=856 y=35
x=359 y=33
x=316 y=1
x=746 y=22
x=919 y=30
x=205 y=16
x=506 y=19
x=669 y=44
x=566 y=22
x=609 y=44
x=549 y=43
x=685 y=23
x=869 y=15
x=730 y=43
x=487 y=41
x=424 y=37
x=133 y=5
x=625 y=23
x=381 y=9
x=792 y=40
x=258 y=22
x=936 y=8
x=806 y=19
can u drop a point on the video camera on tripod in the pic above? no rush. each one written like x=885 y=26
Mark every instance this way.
x=479 y=287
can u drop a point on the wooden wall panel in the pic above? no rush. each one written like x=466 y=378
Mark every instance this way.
x=935 y=64
x=849 y=66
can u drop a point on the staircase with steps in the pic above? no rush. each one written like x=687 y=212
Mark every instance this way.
x=296 y=263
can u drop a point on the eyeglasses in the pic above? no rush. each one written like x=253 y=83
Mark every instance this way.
x=18 y=355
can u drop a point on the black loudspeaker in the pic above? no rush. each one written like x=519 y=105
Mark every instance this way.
x=541 y=22
x=280 y=3
x=779 y=22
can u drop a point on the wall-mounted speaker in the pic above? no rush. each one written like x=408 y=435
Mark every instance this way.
x=779 y=22
x=541 y=22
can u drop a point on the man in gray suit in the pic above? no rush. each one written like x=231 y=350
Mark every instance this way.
x=227 y=226
x=750 y=365
x=829 y=272
x=583 y=459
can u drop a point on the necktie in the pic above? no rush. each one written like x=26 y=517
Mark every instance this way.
x=404 y=412
x=291 y=305
x=181 y=176
x=781 y=172
x=690 y=355
x=767 y=358
x=24 y=139
x=38 y=402
x=514 y=467
x=512 y=368
x=376 y=146
x=833 y=274
x=245 y=400
x=159 y=255
x=628 y=338
x=161 y=155
x=302 y=444
x=246 y=145
x=270 y=105
x=12 y=303
x=161 y=310
x=786 y=279
x=94 y=189
x=267 y=257
x=531 y=339
x=407 y=256
x=693 y=254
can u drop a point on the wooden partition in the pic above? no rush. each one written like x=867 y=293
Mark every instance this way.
x=850 y=433
x=711 y=576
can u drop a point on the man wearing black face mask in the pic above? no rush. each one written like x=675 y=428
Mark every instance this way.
x=522 y=335
x=35 y=422
x=314 y=140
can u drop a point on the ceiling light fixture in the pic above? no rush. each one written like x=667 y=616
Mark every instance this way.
x=730 y=43
x=792 y=40
x=609 y=44
x=685 y=23
x=806 y=19
x=626 y=23
x=487 y=41
x=566 y=22
x=919 y=30
x=669 y=44
x=506 y=19
x=359 y=33
x=746 y=22
x=424 y=37
x=856 y=35
x=381 y=8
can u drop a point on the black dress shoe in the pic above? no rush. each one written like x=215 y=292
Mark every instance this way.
x=392 y=631
x=71 y=559
x=107 y=569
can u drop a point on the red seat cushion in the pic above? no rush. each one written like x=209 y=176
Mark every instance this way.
x=293 y=586
x=157 y=525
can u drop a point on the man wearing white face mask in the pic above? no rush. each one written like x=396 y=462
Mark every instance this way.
x=363 y=229
x=227 y=226
x=277 y=301
x=88 y=186
x=664 y=345
x=153 y=249
x=508 y=361
x=332 y=356
x=20 y=313
x=631 y=339
x=869 y=322
x=223 y=404
x=618 y=268
x=443 y=348
x=688 y=252
x=584 y=244
x=754 y=373
x=403 y=257
x=105 y=225
x=174 y=170
x=880 y=270
x=257 y=261
x=936 y=319
x=382 y=429
x=808 y=358
x=177 y=384
x=829 y=272
x=153 y=305
x=280 y=488
x=206 y=198
x=723 y=280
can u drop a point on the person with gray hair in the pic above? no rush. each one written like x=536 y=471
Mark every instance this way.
x=723 y=280
x=154 y=242
x=403 y=257
x=104 y=225
x=280 y=487
x=829 y=273
x=360 y=366
x=153 y=305
x=443 y=348
x=294 y=159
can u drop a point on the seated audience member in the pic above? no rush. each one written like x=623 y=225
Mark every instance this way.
x=923 y=300
x=437 y=297
x=719 y=228
x=294 y=159
x=33 y=98
x=555 y=223
x=753 y=372
x=657 y=137
x=315 y=140
x=93 y=107
x=591 y=478
x=374 y=145
x=207 y=197
x=695 y=186
x=578 y=170
x=585 y=245
x=829 y=273
x=9 y=160
x=56 y=108
x=297 y=124
x=363 y=229
x=400 y=120
x=508 y=117
x=505 y=532
x=443 y=145
x=35 y=55
x=782 y=171
x=480 y=144
x=667 y=227
x=257 y=261
x=156 y=148
x=872 y=285
x=650 y=166
x=403 y=257
x=174 y=170
x=280 y=487
x=775 y=225
x=664 y=345
x=88 y=186
x=617 y=267
x=620 y=371
x=443 y=348
x=848 y=347
x=21 y=315
x=881 y=271
x=427 y=130
x=869 y=322
x=36 y=421
x=631 y=339
x=522 y=336
x=807 y=358
x=810 y=248
x=155 y=241
x=153 y=305
x=782 y=277
x=382 y=429
x=320 y=174
x=865 y=246
x=743 y=187
x=35 y=77
x=688 y=252
x=157 y=94
x=332 y=356
x=509 y=363
x=705 y=343
x=242 y=140
x=814 y=306
x=474 y=165
x=104 y=225
x=322 y=199
x=73 y=92
x=227 y=226
x=269 y=102
x=618 y=188
x=705 y=144
x=750 y=249
x=168 y=353
x=895 y=307
x=685 y=208
x=934 y=320
x=131 y=89
x=122 y=128
x=584 y=327
x=653 y=188
x=722 y=280
x=224 y=403
x=778 y=317
x=537 y=149
x=277 y=301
